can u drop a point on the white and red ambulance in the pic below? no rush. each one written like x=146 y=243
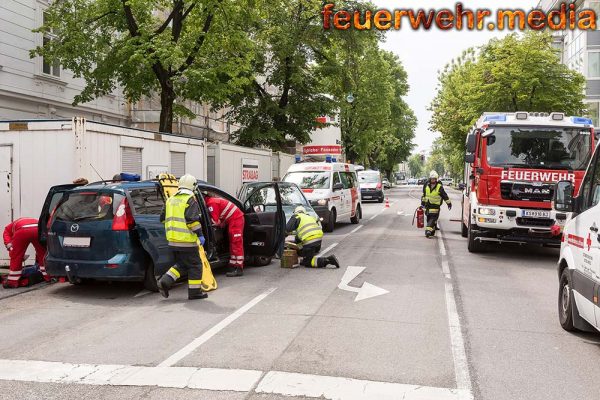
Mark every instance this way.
x=331 y=188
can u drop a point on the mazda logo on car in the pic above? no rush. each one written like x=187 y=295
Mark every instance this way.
x=74 y=228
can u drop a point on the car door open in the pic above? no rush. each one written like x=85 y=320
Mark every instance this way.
x=264 y=220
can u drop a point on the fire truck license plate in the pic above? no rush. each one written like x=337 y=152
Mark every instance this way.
x=536 y=214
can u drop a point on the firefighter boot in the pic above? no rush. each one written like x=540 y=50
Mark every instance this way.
x=332 y=260
x=164 y=284
x=196 y=294
x=235 y=272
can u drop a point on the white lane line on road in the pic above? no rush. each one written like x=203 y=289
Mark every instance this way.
x=329 y=387
x=356 y=229
x=457 y=343
x=328 y=249
x=236 y=380
x=199 y=341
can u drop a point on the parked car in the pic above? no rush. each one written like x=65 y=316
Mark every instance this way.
x=111 y=230
x=386 y=183
x=447 y=181
x=413 y=181
x=422 y=181
x=371 y=187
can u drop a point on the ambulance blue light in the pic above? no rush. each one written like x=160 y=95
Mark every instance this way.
x=127 y=177
x=328 y=158
x=498 y=117
x=581 y=120
x=298 y=158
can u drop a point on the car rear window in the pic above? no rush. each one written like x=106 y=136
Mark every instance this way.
x=87 y=206
x=369 y=177
x=148 y=201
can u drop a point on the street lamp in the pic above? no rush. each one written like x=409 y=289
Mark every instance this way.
x=350 y=98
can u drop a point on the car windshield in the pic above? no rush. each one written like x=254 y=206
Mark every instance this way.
x=309 y=179
x=85 y=206
x=368 y=178
x=549 y=148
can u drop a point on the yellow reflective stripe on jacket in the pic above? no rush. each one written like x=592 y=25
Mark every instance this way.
x=308 y=229
x=433 y=197
x=178 y=232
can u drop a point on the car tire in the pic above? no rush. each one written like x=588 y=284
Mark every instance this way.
x=150 y=282
x=357 y=216
x=565 y=302
x=473 y=245
x=261 y=261
x=380 y=200
x=330 y=225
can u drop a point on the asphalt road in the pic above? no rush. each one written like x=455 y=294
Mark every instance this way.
x=443 y=324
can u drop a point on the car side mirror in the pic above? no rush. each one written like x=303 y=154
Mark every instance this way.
x=338 y=186
x=563 y=196
x=470 y=158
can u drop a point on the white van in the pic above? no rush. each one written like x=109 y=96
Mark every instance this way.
x=331 y=189
x=579 y=262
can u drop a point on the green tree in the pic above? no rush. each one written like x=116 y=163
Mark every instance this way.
x=415 y=165
x=182 y=49
x=288 y=96
x=515 y=73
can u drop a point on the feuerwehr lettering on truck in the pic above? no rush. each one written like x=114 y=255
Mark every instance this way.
x=537 y=176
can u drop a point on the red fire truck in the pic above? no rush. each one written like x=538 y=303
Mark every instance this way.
x=512 y=164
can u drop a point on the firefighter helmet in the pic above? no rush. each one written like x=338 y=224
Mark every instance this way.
x=187 y=182
x=300 y=210
x=433 y=175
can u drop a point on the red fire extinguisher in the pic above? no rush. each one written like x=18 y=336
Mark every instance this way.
x=420 y=216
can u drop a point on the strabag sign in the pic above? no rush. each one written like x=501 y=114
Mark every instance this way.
x=537 y=176
x=249 y=170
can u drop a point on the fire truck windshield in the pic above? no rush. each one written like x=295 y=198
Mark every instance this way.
x=539 y=147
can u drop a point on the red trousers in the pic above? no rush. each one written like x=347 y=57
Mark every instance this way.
x=235 y=229
x=21 y=240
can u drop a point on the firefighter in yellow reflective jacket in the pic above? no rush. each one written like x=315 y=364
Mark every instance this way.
x=182 y=225
x=433 y=195
x=308 y=237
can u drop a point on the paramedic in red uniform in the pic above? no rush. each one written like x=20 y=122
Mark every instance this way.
x=18 y=235
x=226 y=214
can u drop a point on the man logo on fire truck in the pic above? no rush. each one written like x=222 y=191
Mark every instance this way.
x=512 y=164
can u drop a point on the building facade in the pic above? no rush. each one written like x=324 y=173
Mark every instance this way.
x=31 y=88
x=580 y=51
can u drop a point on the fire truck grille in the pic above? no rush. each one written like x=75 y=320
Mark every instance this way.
x=524 y=191
x=546 y=222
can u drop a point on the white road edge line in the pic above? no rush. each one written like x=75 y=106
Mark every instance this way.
x=199 y=341
x=459 y=354
x=356 y=229
x=328 y=249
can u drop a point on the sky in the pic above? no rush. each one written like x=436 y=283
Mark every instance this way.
x=424 y=53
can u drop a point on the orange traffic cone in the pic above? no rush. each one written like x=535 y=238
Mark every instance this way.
x=387 y=202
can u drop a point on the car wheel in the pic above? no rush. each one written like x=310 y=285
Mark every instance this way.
x=565 y=301
x=474 y=245
x=330 y=225
x=357 y=216
x=380 y=200
x=150 y=282
x=261 y=261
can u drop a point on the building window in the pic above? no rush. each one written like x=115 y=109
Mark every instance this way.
x=593 y=64
x=178 y=163
x=593 y=111
x=47 y=67
x=131 y=160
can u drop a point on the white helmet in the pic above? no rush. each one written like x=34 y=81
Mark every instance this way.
x=433 y=175
x=187 y=182
x=300 y=210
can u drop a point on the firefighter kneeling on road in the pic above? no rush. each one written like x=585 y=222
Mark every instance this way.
x=308 y=237
x=433 y=194
x=182 y=225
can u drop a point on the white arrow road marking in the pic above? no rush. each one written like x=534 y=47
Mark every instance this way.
x=400 y=212
x=366 y=291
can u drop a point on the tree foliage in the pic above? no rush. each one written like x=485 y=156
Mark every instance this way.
x=415 y=165
x=182 y=49
x=515 y=73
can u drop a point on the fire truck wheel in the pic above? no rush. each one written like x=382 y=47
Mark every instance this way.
x=464 y=229
x=474 y=245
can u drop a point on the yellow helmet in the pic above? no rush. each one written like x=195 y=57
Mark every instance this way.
x=300 y=210
x=187 y=182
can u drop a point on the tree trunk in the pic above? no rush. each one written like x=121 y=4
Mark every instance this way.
x=167 y=98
